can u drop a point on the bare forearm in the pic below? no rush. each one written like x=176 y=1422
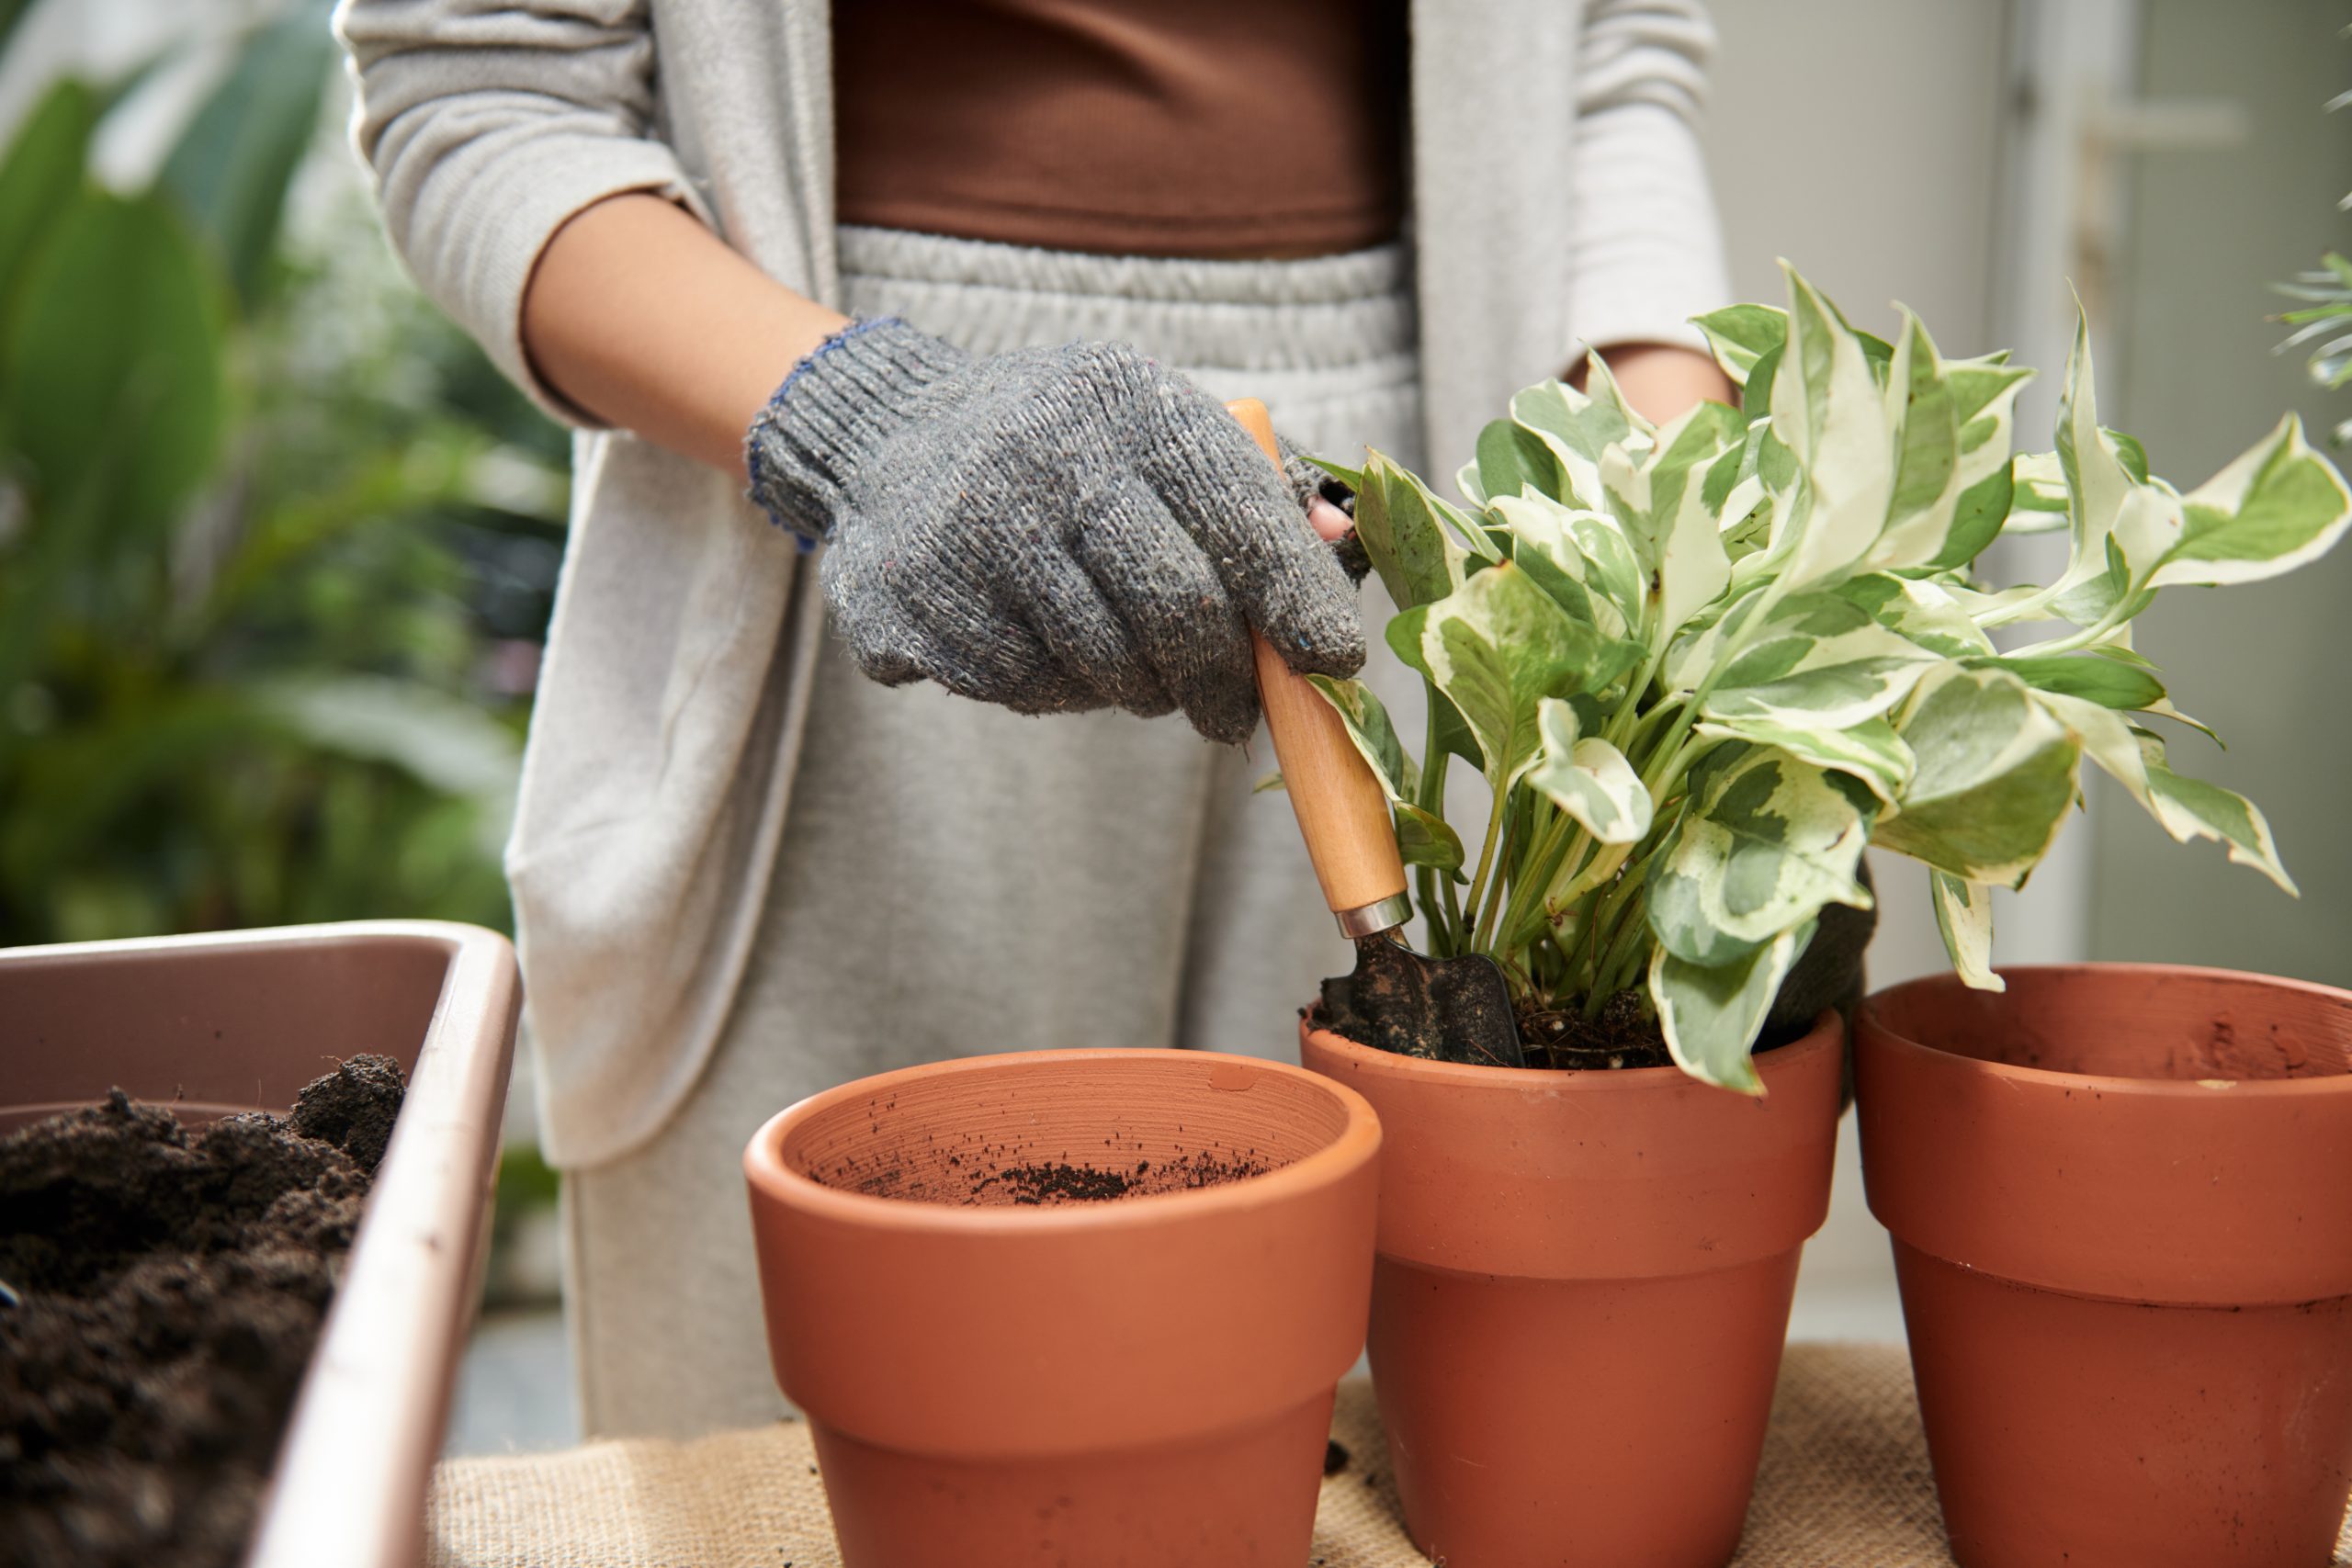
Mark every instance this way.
x=1663 y=380
x=645 y=319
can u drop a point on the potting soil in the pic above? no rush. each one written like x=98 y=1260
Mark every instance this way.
x=164 y=1291
x=986 y=1180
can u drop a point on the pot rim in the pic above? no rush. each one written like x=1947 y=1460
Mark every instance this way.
x=774 y=1180
x=1579 y=1080
x=1872 y=1031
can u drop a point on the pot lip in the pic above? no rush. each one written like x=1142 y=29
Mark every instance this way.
x=773 y=1181
x=1872 y=1034
x=1826 y=1034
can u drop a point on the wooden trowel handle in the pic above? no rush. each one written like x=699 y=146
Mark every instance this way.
x=1342 y=811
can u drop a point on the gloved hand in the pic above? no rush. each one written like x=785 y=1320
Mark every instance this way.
x=1051 y=529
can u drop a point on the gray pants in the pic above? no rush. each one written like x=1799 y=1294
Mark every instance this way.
x=957 y=879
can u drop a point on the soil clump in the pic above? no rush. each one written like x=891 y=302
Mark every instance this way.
x=163 y=1290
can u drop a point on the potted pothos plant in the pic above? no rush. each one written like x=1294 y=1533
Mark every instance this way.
x=1698 y=666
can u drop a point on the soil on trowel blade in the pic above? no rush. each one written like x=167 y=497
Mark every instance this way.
x=164 y=1288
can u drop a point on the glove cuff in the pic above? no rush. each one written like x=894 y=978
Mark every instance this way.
x=858 y=387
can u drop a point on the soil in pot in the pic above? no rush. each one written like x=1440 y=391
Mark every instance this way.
x=1624 y=1033
x=165 y=1286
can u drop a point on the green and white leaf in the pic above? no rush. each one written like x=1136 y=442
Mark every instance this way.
x=1928 y=479
x=1740 y=335
x=1870 y=750
x=1821 y=661
x=2185 y=809
x=1510 y=458
x=1693 y=568
x=1994 y=778
x=1923 y=612
x=1829 y=409
x=2037 y=501
x=1710 y=1017
x=1964 y=918
x=1375 y=737
x=2102 y=680
x=1589 y=778
x=1498 y=646
x=1767 y=841
x=1706 y=639
x=1589 y=548
x=1578 y=428
x=2272 y=509
x=1410 y=548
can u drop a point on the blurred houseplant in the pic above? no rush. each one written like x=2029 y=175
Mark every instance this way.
x=273 y=542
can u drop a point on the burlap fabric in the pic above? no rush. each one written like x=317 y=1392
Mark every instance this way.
x=1844 y=1483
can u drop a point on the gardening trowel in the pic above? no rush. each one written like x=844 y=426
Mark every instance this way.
x=1451 y=1008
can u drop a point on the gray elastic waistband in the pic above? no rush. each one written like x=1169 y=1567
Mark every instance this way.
x=1326 y=311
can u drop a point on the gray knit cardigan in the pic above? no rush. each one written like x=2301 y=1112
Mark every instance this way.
x=1559 y=199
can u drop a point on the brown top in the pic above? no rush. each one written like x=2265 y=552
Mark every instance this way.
x=1169 y=128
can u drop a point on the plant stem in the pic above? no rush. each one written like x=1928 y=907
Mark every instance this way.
x=1484 y=939
x=1670 y=743
x=1495 y=815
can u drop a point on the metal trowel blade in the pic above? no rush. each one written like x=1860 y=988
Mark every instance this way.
x=1447 y=1009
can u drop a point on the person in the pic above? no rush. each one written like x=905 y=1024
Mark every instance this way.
x=913 y=317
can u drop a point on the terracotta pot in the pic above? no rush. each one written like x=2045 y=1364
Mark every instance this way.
x=994 y=1382
x=1582 y=1288
x=239 y=1021
x=2118 y=1194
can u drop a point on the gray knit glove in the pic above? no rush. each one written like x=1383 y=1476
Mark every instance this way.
x=1052 y=529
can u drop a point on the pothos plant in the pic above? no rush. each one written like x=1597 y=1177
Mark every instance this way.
x=1701 y=665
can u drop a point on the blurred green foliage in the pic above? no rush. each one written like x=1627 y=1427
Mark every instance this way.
x=276 y=542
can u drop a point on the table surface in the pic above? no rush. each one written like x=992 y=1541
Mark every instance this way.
x=1844 y=1479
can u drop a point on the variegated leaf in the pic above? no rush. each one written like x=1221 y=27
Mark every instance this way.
x=1918 y=611
x=1829 y=409
x=1589 y=778
x=1964 y=918
x=2038 y=500
x=2106 y=682
x=1498 y=646
x=1822 y=662
x=1710 y=1017
x=1870 y=750
x=1926 y=489
x=1580 y=426
x=1740 y=335
x=1375 y=737
x=1588 y=548
x=2272 y=509
x=1700 y=644
x=1510 y=458
x=2185 y=809
x=1765 y=843
x=1416 y=559
x=1993 y=777
x=1693 y=568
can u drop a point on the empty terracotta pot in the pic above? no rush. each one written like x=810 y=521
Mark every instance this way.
x=1582 y=1288
x=1083 y=1307
x=2119 y=1199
